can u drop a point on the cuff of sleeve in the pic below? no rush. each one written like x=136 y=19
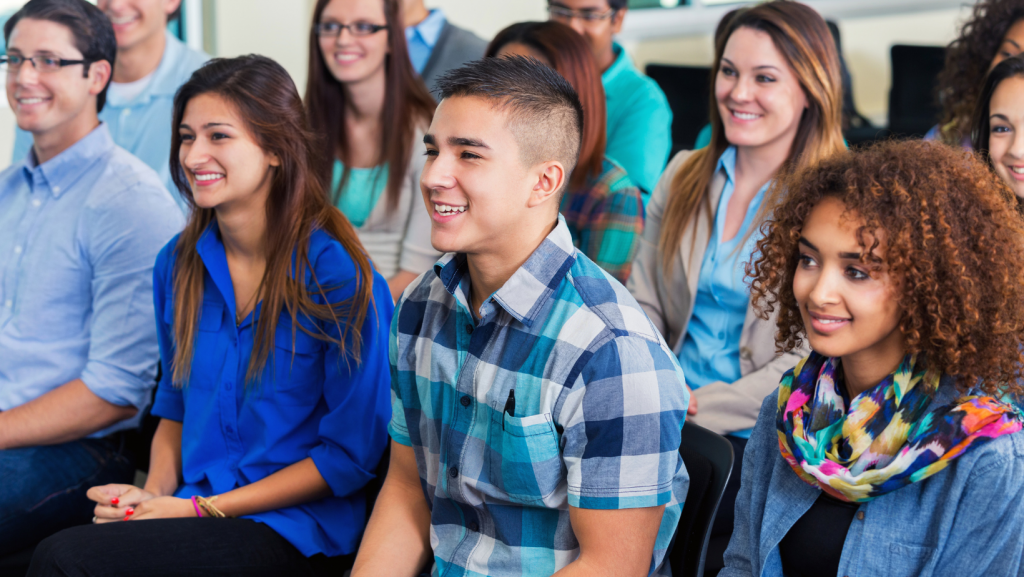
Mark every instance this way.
x=116 y=386
x=169 y=404
x=341 y=473
x=399 y=434
x=623 y=498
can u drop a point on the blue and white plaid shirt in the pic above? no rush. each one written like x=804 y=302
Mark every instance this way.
x=599 y=404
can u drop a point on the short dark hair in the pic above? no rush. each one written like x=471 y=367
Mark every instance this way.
x=980 y=131
x=93 y=33
x=615 y=5
x=544 y=112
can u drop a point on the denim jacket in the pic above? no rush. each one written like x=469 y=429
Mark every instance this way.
x=966 y=520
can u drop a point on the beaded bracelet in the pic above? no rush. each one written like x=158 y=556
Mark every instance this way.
x=196 y=505
x=206 y=504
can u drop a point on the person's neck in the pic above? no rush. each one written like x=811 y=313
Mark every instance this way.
x=50 y=144
x=414 y=12
x=605 y=60
x=365 y=99
x=243 y=231
x=761 y=163
x=865 y=369
x=141 y=60
x=488 y=272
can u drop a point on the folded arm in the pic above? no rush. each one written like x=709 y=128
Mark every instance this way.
x=64 y=414
x=613 y=542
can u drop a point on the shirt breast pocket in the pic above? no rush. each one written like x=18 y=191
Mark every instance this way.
x=908 y=559
x=297 y=367
x=525 y=461
x=209 y=346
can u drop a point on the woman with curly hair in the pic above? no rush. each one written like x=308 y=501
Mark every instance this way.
x=994 y=33
x=886 y=451
x=998 y=132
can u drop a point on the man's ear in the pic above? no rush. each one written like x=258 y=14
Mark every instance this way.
x=171 y=6
x=617 y=19
x=551 y=177
x=99 y=75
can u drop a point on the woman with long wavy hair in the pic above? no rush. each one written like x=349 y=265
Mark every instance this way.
x=776 y=107
x=371 y=110
x=273 y=330
x=994 y=33
x=602 y=205
x=889 y=450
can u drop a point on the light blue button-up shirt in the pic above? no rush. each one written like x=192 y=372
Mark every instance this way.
x=143 y=126
x=78 y=238
x=422 y=38
x=711 y=349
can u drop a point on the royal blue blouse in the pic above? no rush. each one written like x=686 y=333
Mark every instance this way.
x=308 y=404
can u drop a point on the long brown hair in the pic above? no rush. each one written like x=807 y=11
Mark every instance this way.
x=263 y=93
x=407 y=104
x=804 y=40
x=570 y=55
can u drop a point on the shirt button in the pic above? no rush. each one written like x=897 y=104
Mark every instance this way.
x=229 y=429
x=469 y=329
x=17 y=249
x=474 y=527
x=227 y=386
x=36 y=203
x=746 y=353
x=56 y=189
x=9 y=303
x=465 y=400
x=453 y=472
x=860 y=515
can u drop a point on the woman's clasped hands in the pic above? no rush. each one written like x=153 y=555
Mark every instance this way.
x=116 y=502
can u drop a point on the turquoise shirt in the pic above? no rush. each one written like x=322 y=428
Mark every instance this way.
x=639 y=122
x=143 y=126
x=363 y=189
x=711 y=349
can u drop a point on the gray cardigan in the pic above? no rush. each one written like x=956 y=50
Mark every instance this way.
x=455 y=47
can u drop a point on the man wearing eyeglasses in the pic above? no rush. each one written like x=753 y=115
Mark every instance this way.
x=435 y=44
x=151 y=65
x=81 y=223
x=639 y=118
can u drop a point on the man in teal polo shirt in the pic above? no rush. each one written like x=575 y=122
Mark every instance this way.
x=639 y=118
x=151 y=65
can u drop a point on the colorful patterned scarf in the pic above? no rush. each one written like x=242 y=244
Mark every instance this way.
x=888 y=438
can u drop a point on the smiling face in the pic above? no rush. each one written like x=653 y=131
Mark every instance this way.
x=1012 y=44
x=848 y=307
x=136 y=21
x=59 y=104
x=759 y=96
x=225 y=166
x=1006 y=133
x=482 y=197
x=355 y=59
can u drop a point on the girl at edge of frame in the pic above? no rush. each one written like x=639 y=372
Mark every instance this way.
x=372 y=110
x=998 y=128
x=602 y=205
x=888 y=451
x=776 y=107
x=273 y=329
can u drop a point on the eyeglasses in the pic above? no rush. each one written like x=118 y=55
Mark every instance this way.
x=13 y=62
x=333 y=29
x=588 y=16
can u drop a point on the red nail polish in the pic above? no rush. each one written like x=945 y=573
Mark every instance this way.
x=115 y=501
x=130 y=511
x=126 y=517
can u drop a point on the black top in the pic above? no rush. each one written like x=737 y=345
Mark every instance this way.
x=814 y=545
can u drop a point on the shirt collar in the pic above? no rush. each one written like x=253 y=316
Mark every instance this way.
x=524 y=294
x=429 y=30
x=210 y=248
x=619 y=65
x=62 y=171
x=727 y=162
x=166 y=78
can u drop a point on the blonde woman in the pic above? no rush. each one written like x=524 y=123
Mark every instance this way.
x=776 y=107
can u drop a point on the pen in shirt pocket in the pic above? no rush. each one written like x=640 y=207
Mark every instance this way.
x=510 y=407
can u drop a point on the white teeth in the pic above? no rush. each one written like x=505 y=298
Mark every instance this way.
x=1017 y=170
x=30 y=100
x=347 y=57
x=206 y=177
x=830 y=321
x=745 y=115
x=122 y=20
x=446 y=209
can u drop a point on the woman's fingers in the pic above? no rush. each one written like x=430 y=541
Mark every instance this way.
x=108 y=494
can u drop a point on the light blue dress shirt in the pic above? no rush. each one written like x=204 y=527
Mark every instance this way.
x=711 y=349
x=143 y=126
x=78 y=238
x=422 y=38
x=309 y=401
x=639 y=122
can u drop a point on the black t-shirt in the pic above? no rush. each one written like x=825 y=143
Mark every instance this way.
x=814 y=545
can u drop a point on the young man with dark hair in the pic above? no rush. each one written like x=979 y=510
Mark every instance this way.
x=536 y=410
x=435 y=44
x=639 y=118
x=151 y=65
x=81 y=222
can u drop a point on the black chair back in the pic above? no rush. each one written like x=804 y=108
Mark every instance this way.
x=688 y=90
x=913 y=106
x=708 y=458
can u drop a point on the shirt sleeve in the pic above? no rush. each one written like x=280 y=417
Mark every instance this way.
x=622 y=427
x=353 y=433
x=398 y=428
x=122 y=239
x=169 y=402
x=643 y=139
x=611 y=237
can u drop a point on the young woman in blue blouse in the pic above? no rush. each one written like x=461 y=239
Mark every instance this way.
x=887 y=451
x=273 y=330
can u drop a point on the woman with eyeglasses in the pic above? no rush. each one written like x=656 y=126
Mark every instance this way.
x=273 y=332
x=371 y=110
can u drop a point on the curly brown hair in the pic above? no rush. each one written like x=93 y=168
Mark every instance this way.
x=954 y=250
x=968 y=59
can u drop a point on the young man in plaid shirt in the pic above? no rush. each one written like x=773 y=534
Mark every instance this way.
x=536 y=410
